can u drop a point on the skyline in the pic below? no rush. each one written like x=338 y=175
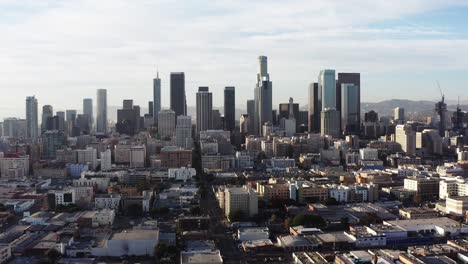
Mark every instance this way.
x=122 y=55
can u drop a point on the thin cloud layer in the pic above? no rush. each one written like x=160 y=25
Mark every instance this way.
x=62 y=51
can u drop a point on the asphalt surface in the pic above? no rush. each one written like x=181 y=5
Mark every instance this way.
x=219 y=229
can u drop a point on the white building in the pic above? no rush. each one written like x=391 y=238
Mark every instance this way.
x=122 y=153
x=100 y=183
x=137 y=156
x=104 y=217
x=14 y=166
x=441 y=226
x=87 y=156
x=283 y=163
x=368 y=154
x=243 y=160
x=131 y=242
x=462 y=154
x=106 y=160
x=341 y=193
x=107 y=202
x=406 y=137
x=83 y=195
x=64 y=197
x=457 y=205
x=253 y=233
x=181 y=174
x=243 y=199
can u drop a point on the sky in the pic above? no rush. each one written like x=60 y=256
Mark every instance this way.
x=61 y=51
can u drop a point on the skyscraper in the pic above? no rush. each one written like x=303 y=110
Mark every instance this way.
x=350 y=122
x=406 y=137
x=88 y=111
x=101 y=119
x=184 y=132
x=47 y=112
x=32 y=124
x=128 y=118
x=327 y=85
x=61 y=121
x=71 y=116
x=251 y=115
x=229 y=108
x=157 y=97
x=314 y=107
x=178 y=101
x=166 y=123
x=204 y=109
x=399 y=115
x=350 y=78
x=330 y=122
x=263 y=96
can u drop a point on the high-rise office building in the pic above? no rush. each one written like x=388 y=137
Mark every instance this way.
x=350 y=112
x=327 y=86
x=128 y=118
x=399 y=115
x=263 y=96
x=32 y=123
x=204 y=109
x=178 y=101
x=101 y=115
x=314 y=107
x=251 y=115
x=88 y=111
x=184 y=132
x=217 y=120
x=47 y=112
x=51 y=141
x=150 y=108
x=166 y=123
x=71 y=115
x=244 y=124
x=157 y=97
x=61 y=121
x=229 y=108
x=330 y=122
x=349 y=78
x=406 y=137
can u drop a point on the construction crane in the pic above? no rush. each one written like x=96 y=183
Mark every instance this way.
x=441 y=110
x=440 y=90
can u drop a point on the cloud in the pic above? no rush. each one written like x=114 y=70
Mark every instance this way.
x=58 y=49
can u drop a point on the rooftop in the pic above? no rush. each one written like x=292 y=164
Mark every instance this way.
x=136 y=234
x=443 y=222
x=201 y=257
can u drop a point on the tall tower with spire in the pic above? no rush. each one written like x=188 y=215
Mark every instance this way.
x=263 y=96
x=156 y=97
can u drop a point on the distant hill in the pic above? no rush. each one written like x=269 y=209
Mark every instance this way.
x=385 y=108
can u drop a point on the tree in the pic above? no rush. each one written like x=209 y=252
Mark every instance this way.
x=313 y=199
x=142 y=186
x=2 y=207
x=236 y=216
x=196 y=210
x=134 y=210
x=370 y=219
x=331 y=201
x=53 y=255
x=308 y=220
x=345 y=222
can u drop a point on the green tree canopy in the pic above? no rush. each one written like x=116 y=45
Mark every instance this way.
x=308 y=220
